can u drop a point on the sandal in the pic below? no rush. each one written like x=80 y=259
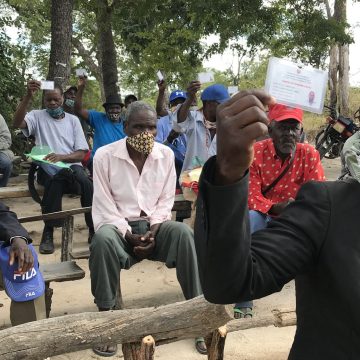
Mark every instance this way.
x=200 y=345
x=99 y=352
x=243 y=313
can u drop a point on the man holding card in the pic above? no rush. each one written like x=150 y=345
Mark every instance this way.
x=108 y=126
x=200 y=125
x=63 y=134
x=314 y=241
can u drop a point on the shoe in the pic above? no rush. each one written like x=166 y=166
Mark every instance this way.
x=47 y=241
x=91 y=234
x=243 y=313
x=200 y=346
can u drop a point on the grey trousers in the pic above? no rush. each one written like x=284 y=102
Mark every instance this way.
x=23 y=312
x=110 y=252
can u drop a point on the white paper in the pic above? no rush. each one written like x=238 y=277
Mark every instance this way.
x=81 y=72
x=47 y=85
x=160 y=76
x=303 y=87
x=233 y=90
x=206 y=77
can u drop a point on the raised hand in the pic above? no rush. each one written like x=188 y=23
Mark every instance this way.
x=33 y=86
x=193 y=88
x=82 y=81
x=240 y=121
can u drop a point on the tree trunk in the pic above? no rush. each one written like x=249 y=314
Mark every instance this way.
x=64 y=334
x=107 y=48
x=340 y=17
x=61 y=33
x=344 y=80
x=333 y=74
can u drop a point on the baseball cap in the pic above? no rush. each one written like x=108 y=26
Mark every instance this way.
x=216 y=92
x=177 y=94
x=21 y=287
x=279 y=112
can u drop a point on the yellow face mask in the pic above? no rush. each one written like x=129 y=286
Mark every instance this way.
x=143 y=142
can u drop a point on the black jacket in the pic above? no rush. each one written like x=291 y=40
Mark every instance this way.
x=316 y=241
x=9 y=225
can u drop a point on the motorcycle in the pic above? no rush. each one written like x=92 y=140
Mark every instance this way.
x=330 y=141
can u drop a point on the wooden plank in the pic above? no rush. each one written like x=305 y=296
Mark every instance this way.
x=69 y=333
x=81 y=253
x=55 y=215
x=63 y=271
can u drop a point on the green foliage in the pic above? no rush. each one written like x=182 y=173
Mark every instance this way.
x=11 y=77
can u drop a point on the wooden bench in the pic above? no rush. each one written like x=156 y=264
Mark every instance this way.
x=59 y=272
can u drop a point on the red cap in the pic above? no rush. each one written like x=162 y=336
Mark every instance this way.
x=279 y=112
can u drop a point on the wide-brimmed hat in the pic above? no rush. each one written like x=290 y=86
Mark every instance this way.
x=111 y=100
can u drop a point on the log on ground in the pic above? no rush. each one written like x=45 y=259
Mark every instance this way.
x=55 y=336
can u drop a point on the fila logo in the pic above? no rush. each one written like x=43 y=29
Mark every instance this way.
x=26 y=276
x=32 y=293
x=179 y=93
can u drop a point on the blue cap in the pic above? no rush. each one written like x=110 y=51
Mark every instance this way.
x=216 y=92
x=21 y=287
x=177 y=94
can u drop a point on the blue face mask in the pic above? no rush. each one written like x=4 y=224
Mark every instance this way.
x=70 y=103
x=55 y=113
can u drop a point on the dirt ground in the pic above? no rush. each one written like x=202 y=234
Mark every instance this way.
x=149 y=284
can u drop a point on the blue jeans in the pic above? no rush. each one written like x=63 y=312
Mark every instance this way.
x=5 y=169
x=258 y=221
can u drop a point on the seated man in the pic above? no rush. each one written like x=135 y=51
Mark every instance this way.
x=280 y=166
x=199 y=126
x=16 y=253
x=61 y=132
x=134 y=191
x=6 y=155
x=107 y=126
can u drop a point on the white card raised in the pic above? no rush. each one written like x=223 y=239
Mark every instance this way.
x=296 y=86
x=206 y=77
x=160 y=76
x=233 y=90
x=47 y=85
x=81 y=72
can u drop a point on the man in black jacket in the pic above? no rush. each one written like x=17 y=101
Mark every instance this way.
x=15 y=236
x=315 y=241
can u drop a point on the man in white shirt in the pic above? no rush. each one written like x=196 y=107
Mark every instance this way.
x=134 y=192
x=63 y=134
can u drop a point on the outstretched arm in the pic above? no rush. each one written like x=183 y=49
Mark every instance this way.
x=19 y=117
x=78 y=107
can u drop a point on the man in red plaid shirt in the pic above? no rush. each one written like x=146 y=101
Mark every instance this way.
x=281 y=165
